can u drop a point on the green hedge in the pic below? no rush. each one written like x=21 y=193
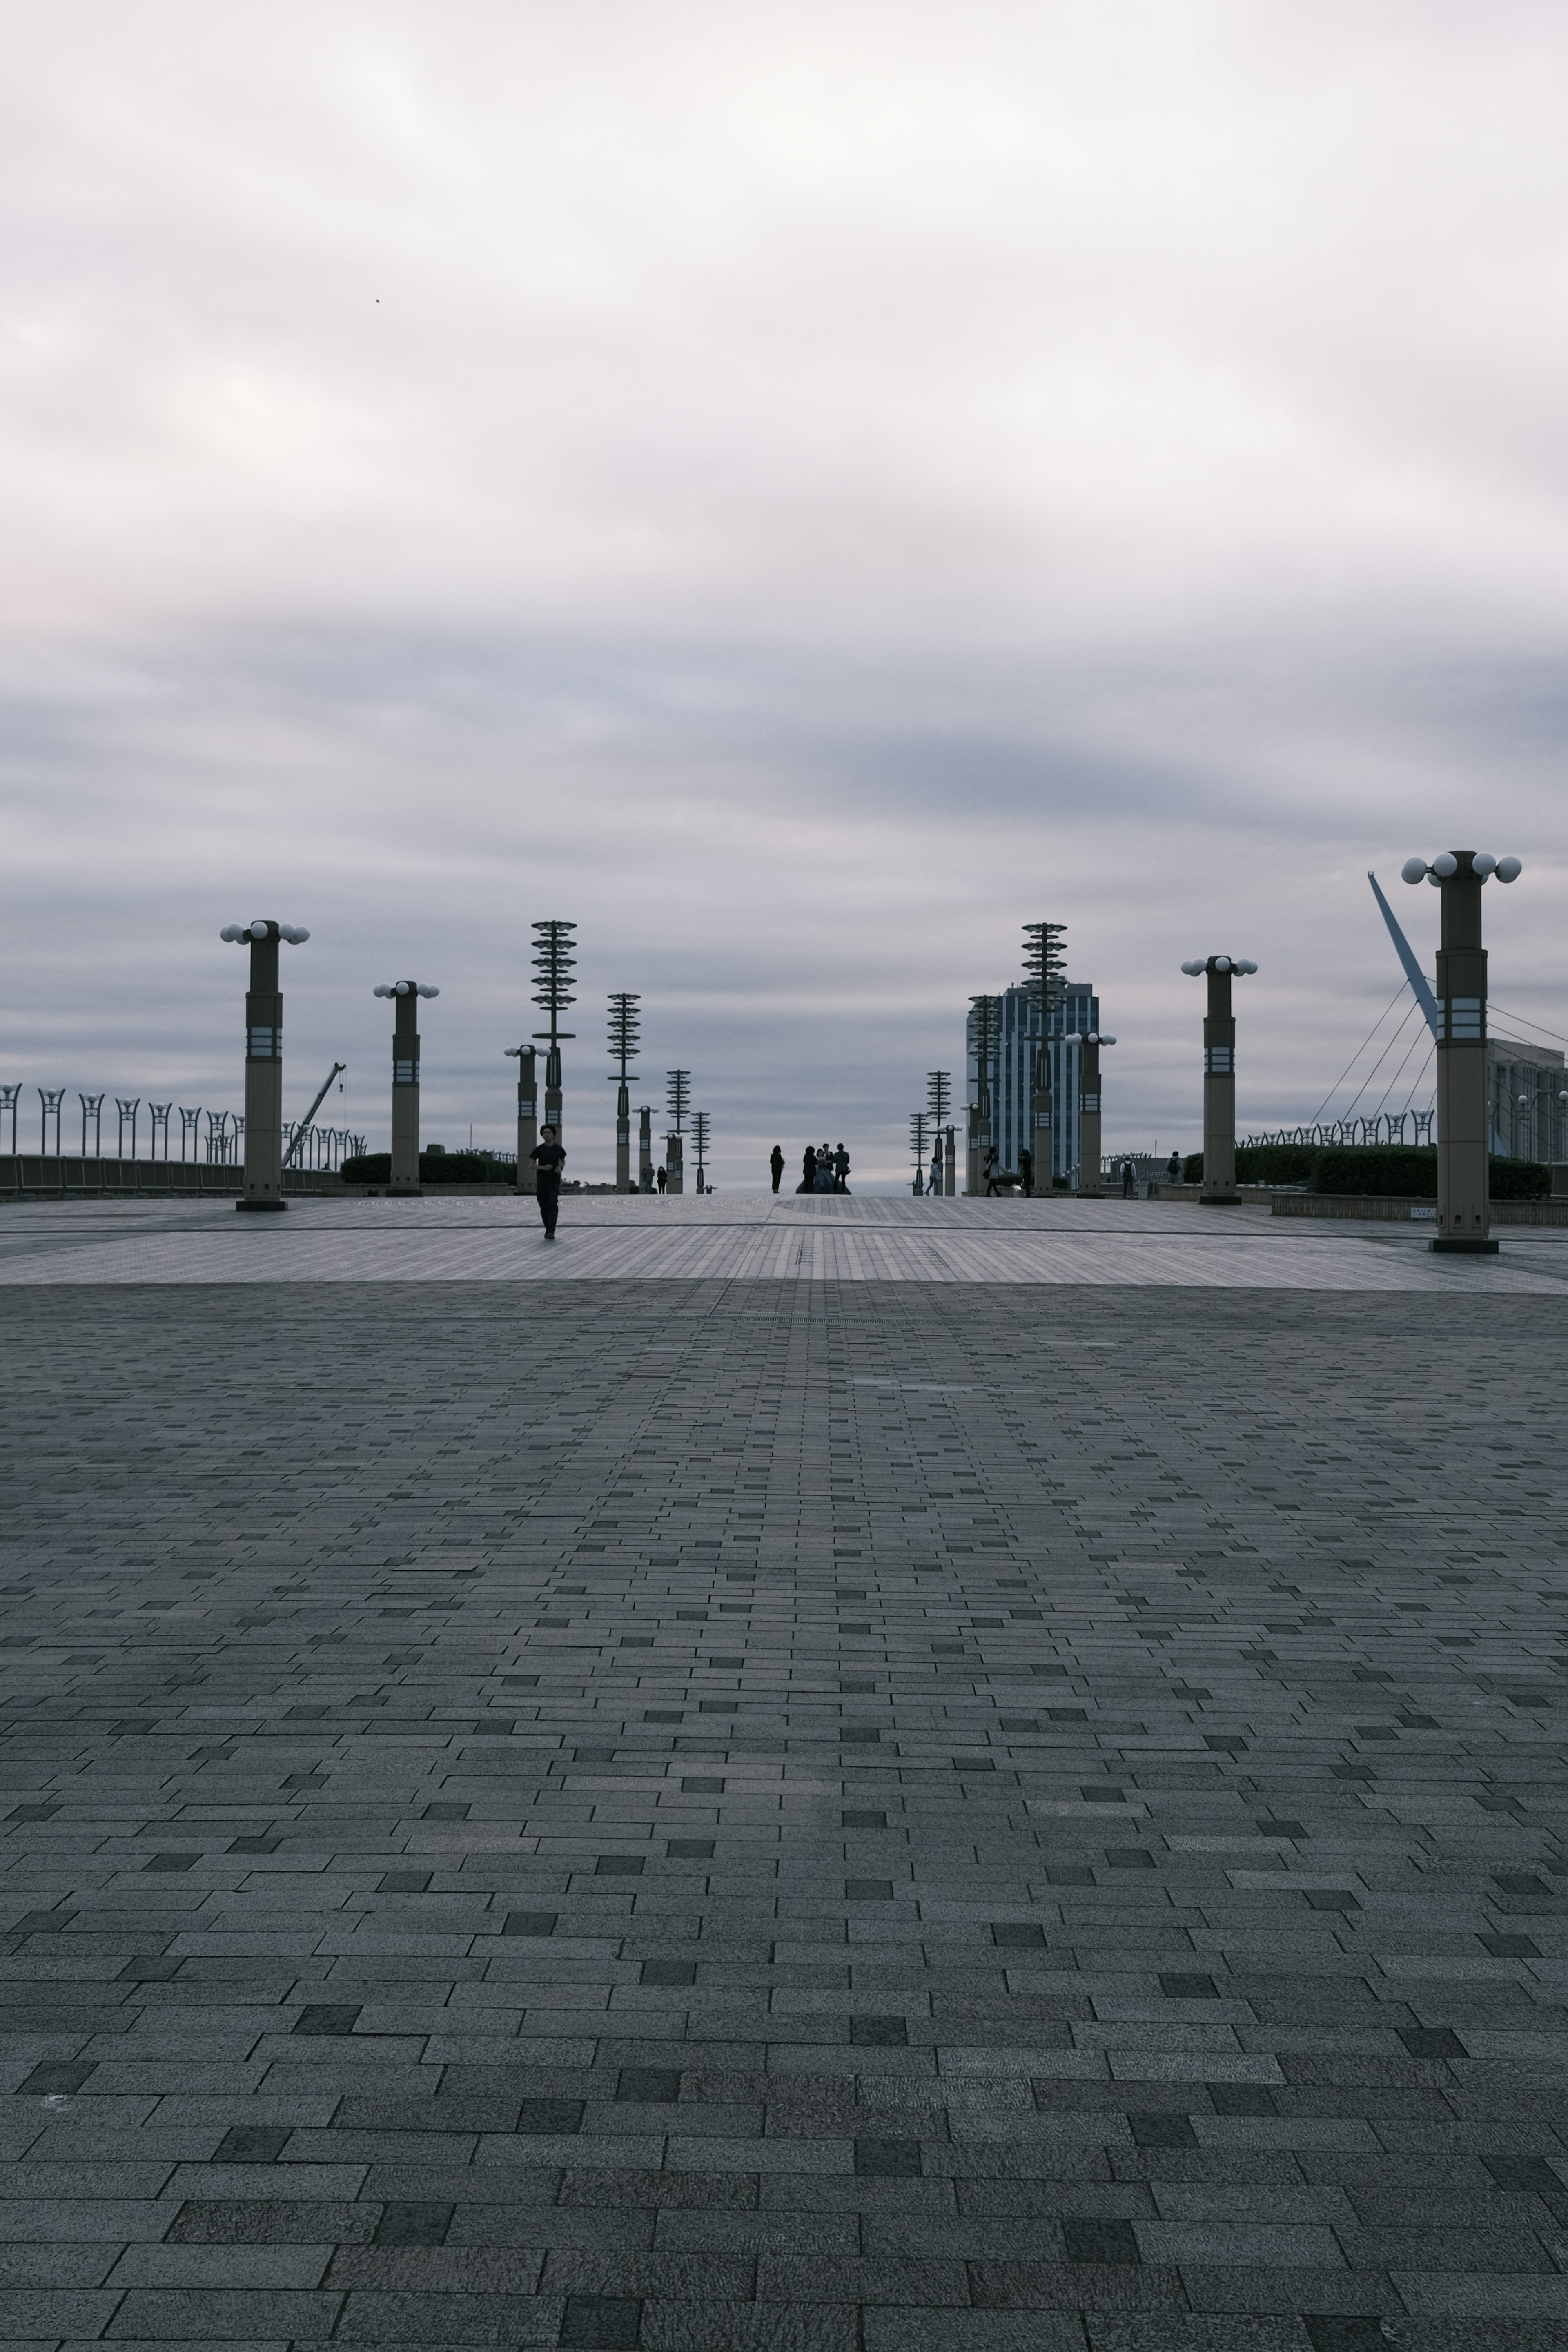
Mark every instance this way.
x=1402 y=1171
x=1275 y=1163
x=435 y=1168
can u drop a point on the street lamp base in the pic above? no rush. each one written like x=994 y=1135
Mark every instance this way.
x=1463 y=1245
x=261 y=1204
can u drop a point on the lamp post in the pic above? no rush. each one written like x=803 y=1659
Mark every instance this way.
x=644 y=1148
x=9 y=1097
x=918 y=1146
x=700 y=1132
x=1219 y=1079
x=1463 y=1212
x=554 y=959
x=626 y=1026
x=1088 y=1044
x=160 y=1116
x=527 y=1114
x=93 y=1107
x=190 y=1129
x=263 y=1180
x=127 y=1108
x=677 y=1096
x=51 y=1099
x=950 y=1164
x=406 y=995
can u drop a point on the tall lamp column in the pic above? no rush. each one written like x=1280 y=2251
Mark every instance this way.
x=406 y=995
x=1089 y=1129
x=644 y=1148
x=527 y=1062
x=263 y=1180
x=1463 y=1210
x=1220 y=1080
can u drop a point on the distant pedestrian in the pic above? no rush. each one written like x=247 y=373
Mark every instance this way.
x=841 y=1170
x=1174 y=1168
x=1026 y=1173
x=808 y=1169
x=991 y=1166
x=933 y=1183
x=548 y=1160
x=776 y=1162
x=662 y=1176
x=1129 y=1181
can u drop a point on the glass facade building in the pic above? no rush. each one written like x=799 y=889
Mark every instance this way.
x=1015 y=1027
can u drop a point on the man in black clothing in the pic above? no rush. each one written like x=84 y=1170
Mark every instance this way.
x=549 y=1160
x=776 y=1162
x=1026 y=1173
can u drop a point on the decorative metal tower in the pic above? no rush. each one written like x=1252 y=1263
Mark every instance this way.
x=406 y=995
x=625 y=1030
x=1464 y=1212
x=677 y=1098
x=985 y=1024
x=701 y=1130
x=918 y=1124
x=554 y=959
x=1045 y=963
x=263 y=1061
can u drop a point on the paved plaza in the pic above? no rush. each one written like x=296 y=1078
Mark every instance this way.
x=785 y=1777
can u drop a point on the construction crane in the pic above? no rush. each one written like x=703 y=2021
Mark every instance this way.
x=304 y=1127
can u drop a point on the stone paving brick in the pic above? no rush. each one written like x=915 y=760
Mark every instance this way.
x=850 y=1816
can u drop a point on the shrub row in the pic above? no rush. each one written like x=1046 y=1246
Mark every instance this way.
x=1402 y=1171
x=435 y=1168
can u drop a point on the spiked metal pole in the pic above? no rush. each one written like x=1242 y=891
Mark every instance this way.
x=701 y=1130
x=626 y=1024
x=918 y=1146
x=553 y=959
x=263 y=1061
x=1045 y=961
x=985 y=1011
x=678 y=1096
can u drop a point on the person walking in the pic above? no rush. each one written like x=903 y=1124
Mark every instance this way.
x=776 y=1162
x=934 y=1182
x=548 y=1160
x=1174 y=1168
x=841 y=1170
x=808 y=1169
x=991 y=1172
x=1129 y=1181
x=1026 y=1173
x=661 y=1177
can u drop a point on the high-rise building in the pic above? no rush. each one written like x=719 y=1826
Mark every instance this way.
x=1015 y=1026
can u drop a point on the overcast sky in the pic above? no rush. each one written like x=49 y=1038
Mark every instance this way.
x=800 y=491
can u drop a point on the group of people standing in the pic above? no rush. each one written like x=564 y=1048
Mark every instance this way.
x=822 y=1171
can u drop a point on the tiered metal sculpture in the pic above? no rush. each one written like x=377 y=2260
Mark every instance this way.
x=555 y=958
x=626 y=1029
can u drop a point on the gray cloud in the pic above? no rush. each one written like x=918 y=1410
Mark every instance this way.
x=801 y=492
